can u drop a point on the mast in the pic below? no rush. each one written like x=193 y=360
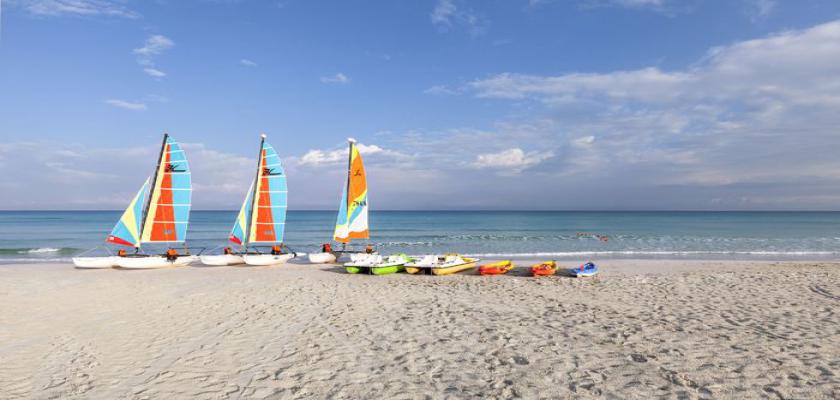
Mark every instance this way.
x=254 y=192
x=152 y=188
x=351 y=141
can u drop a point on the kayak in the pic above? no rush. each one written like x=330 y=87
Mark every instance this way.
x=501 y=267
x=588 y=269
x=440 y=265
x=376 y=264
x=547 y=268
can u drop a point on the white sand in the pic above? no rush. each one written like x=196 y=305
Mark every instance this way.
x=673 y=329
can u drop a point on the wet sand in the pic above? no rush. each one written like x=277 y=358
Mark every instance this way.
x=643 y=329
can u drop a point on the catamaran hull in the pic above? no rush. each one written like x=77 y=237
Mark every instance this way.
x=267 y=259
x=222 y=260
x=152 y=262
x=322 y=258
x=95 y=262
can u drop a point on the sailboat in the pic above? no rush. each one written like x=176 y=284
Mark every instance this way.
x=262 y=217
x=158 y=213
x=352 y=221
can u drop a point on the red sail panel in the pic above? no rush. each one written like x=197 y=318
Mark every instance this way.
x=163 y=228
x=265 y=219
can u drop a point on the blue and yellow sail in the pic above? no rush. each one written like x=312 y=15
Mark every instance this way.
x=240 y=226
x=352 y=221
x=127 y=230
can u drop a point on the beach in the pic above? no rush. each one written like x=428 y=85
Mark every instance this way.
x=642 y=329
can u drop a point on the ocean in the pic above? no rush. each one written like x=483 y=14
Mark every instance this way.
x=40 y=236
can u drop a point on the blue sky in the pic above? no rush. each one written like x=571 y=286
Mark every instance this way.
x=514 y=104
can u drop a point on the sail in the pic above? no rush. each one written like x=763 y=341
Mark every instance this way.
x=352 y=222
x=168 y=212
x=240 y=226
x=268 y=218
x=127 y=230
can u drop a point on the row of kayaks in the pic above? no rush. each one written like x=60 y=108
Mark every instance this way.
x=448 y=264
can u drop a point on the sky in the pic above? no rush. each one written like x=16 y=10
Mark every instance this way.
x=482 y=105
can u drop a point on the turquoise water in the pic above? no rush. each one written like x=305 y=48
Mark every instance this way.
x=57 y=235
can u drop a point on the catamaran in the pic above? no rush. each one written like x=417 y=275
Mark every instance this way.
x=158 y=213
x=352 y=221
x=262 y=217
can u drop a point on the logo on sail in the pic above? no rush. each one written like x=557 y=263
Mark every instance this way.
x=173 y=168
x=271 y=172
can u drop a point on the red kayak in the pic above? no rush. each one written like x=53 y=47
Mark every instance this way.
x=501 y=267
x=547 y=268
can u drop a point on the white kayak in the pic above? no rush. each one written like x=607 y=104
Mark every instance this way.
x=267 y=259
x=321 y=258
x=148 y=262
x=222 y=259
x=95 y=262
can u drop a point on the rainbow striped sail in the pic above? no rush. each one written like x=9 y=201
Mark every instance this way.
x=168 y=209
x=127 y=230
x=262 y=217
x=352 y=221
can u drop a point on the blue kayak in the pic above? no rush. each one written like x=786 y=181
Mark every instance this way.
x=588 y=269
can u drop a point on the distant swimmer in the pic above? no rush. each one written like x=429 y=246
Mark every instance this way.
x=603 y=238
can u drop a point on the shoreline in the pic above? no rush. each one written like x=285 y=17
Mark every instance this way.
x=706 y=329
x=523 y=260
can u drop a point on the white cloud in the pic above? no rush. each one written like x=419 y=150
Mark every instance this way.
x=584 y=141
x=316 y=158
x=446 y=15
x=511 y=160
x=154 y=45
x=154 y=72
x=248 y=63
x=127 y=105
x=77 y=8
x=443 y=12
x=338 y=78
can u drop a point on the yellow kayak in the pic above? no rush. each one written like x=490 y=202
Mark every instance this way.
x=469 y=263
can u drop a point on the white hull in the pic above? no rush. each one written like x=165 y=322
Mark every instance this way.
x=321 y=258
x=153 y=262
x=95 y=262
x=267 y=259
x=223 y=259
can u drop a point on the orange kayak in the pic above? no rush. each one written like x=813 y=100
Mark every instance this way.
x=544 y=269
x=501 y=267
